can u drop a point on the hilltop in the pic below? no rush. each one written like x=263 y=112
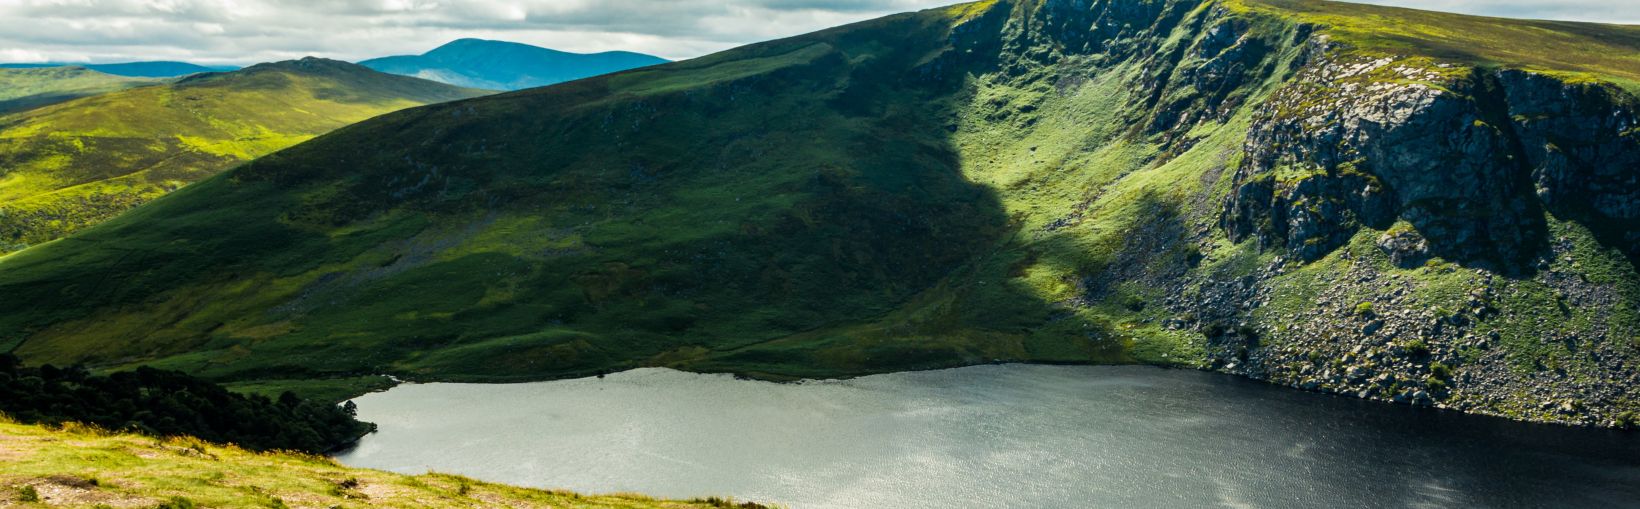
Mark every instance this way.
x=501 y=65
x=1385 y=203
x=77 y=163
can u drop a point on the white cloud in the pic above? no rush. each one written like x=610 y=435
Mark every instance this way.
x=249 y=31
x=22 y=56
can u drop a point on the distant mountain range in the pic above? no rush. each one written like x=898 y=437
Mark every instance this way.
x=499 y=65
x=134 y=69
x=473 y=63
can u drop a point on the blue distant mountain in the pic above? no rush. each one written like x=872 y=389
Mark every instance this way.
x=500 y=65
x=134 y=69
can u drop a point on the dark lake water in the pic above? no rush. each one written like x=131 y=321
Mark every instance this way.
x=991 y=436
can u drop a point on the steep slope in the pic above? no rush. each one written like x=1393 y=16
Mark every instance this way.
x=1386 y=203
x=500 y=65
x=159 y=69
x=78 y=467
x=75 y=164
x=22 y=89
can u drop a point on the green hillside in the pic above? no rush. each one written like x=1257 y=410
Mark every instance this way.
x=80 y=467
x=22 y=89
x=1369 y=201
x=75 y=164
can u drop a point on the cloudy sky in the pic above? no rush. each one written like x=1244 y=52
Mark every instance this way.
x=248 y=31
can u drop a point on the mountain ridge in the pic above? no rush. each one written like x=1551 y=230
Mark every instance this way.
x=1219 y=184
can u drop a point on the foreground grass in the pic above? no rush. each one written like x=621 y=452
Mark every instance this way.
x=80 y=467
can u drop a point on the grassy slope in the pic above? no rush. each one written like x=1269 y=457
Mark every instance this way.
x=956 y=186
x=22 y=89
x=77 y=467
x=74 y=164
x=609 y=223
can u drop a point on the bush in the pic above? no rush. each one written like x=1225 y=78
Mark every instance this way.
x=1434 y=384
x=176 y=503
x=1440 y=371
x=28 y=494
x=1364 y=309
x=729 y=503
x=1416 y=347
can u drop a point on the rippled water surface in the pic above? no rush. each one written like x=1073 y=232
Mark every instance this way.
x=991 y=436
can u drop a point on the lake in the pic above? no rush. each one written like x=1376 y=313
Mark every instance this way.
x=990 y=436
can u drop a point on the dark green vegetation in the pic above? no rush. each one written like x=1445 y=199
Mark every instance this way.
x=172 y=404
x=159 y=69
x=499 y=65
x=22 y=89
x=70 y=165
x=1213 y=184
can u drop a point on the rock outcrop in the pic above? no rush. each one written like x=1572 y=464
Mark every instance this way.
x=1443 y=168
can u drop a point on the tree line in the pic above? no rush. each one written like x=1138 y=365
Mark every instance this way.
x=169 y=403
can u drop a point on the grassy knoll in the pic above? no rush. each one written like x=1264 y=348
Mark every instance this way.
x=71 y=165
x=81 y=467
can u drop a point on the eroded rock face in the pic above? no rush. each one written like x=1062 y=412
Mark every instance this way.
x=1365 y=142
x=1581 y=144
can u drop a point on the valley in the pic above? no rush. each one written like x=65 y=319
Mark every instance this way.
x=1012 y=253
x=973 y=184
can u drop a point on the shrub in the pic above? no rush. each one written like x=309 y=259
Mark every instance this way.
x=1364 y=309
x=1416 y=347
x=27 y=493
x=729 y=503
x=176 y=503
x=1440 y=371
x=1434 y=384
x=344 y=488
